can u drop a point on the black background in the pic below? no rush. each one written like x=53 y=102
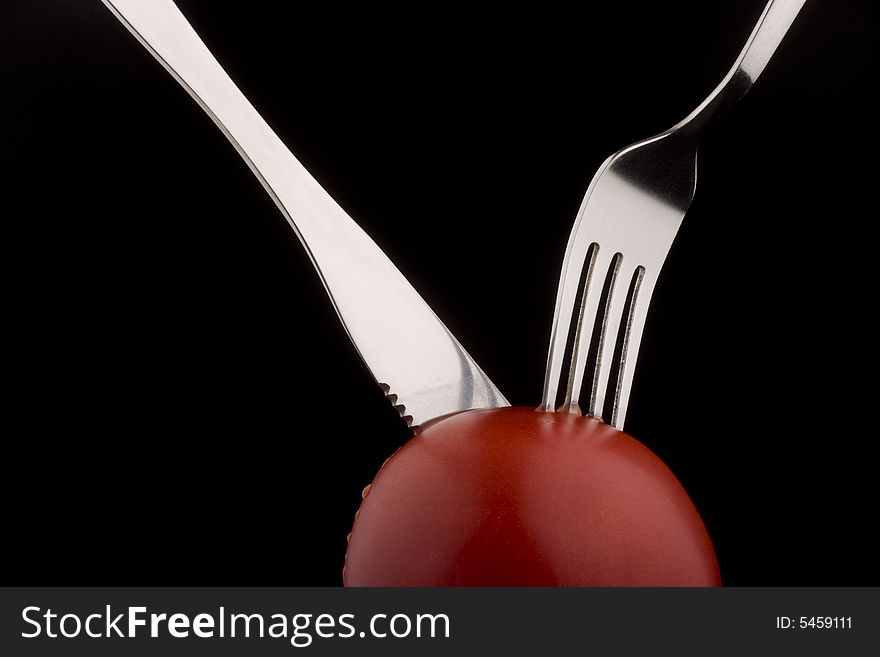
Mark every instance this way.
x=181 y=404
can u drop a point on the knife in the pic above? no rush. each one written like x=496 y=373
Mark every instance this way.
x=422 y=369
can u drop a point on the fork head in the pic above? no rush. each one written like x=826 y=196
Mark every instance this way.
x=624 y=229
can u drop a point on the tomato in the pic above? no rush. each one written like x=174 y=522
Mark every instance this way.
x=516 y=497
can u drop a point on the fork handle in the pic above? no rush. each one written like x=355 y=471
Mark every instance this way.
x=772 y=26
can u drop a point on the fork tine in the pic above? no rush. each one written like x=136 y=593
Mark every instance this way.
x=605 y=265
x=618 y=318
x=630 y=355
x=576 y=258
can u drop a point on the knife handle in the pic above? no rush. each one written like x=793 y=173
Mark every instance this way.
x=163 y=30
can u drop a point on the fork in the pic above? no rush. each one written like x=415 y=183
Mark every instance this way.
x=622 y=234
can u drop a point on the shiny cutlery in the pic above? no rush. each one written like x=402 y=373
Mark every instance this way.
x=418 y=363
x=622 y=233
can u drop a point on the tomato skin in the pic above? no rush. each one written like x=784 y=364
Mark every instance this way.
x=515 y=497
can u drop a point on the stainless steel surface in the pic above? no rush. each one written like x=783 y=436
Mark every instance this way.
x=419 y=364
x=623 y=230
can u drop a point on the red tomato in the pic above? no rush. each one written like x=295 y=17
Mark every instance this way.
x=514 y=497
